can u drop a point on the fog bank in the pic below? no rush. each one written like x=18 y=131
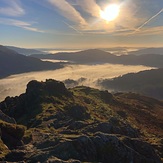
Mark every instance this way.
x=16 y=84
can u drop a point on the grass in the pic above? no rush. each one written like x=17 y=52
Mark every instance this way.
x=3 y=150
x=15 y=130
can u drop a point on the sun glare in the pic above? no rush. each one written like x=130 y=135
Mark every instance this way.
x=110 y=13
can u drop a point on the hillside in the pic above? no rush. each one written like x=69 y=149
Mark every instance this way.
x=83 y=124
x=25 y=51
x=95 y=56
x=86 y=56
x=147 y=51
x=149 y=82
x=13 y=63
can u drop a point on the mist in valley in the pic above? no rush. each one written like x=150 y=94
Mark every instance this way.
x=16 y=84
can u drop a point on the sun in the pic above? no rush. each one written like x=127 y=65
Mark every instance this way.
x=110 y=13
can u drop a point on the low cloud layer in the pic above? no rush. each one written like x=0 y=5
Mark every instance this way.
x=16 y=84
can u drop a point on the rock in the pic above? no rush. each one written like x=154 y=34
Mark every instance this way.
x=6 y=118
x=11 y=134
x=112 y=128
x=75 y=125
x=142 y=148
x=28 y=105
x=106 y=96
x=15 y=156
x=104 y=148
x=50 y=87
x=79 y=125
x=77 y=112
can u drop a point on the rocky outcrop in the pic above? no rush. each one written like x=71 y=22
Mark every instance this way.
x=80 y=124
x=50 y=87
x=28 y=104
x=99 y=147
x=112 y=128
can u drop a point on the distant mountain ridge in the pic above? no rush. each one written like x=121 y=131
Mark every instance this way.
x=25 y=51
x=147 y=51
x=92 y=56
x=13 y=63
x=86 y=56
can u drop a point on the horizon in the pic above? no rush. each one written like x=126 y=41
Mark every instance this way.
x=77 y=24
x=104 y=48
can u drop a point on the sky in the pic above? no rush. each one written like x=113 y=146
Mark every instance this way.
x=77 y=24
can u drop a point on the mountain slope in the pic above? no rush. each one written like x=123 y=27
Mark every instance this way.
x=99 y=56
x=24 y=51
x=153 y=60
x=86 y=56
x=149 y=82
x=147 y=51
x=14 y=63
x=83 y=124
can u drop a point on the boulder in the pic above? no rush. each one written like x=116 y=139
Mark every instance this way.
x=105 y=148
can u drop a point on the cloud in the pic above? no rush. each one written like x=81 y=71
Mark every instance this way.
x=13 y=8
x=70 y=26
x=111 y=31
x=151 y=31
x=146 y=31
x=130 y=17
x=150 y=19
x=21 y=24
x=16 y=84
x=68 y=11
x=128 y=22
x=90 y=7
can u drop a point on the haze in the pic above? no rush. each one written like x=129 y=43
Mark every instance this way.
x=16 y=84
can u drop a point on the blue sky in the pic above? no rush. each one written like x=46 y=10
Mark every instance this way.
x=77 y=24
